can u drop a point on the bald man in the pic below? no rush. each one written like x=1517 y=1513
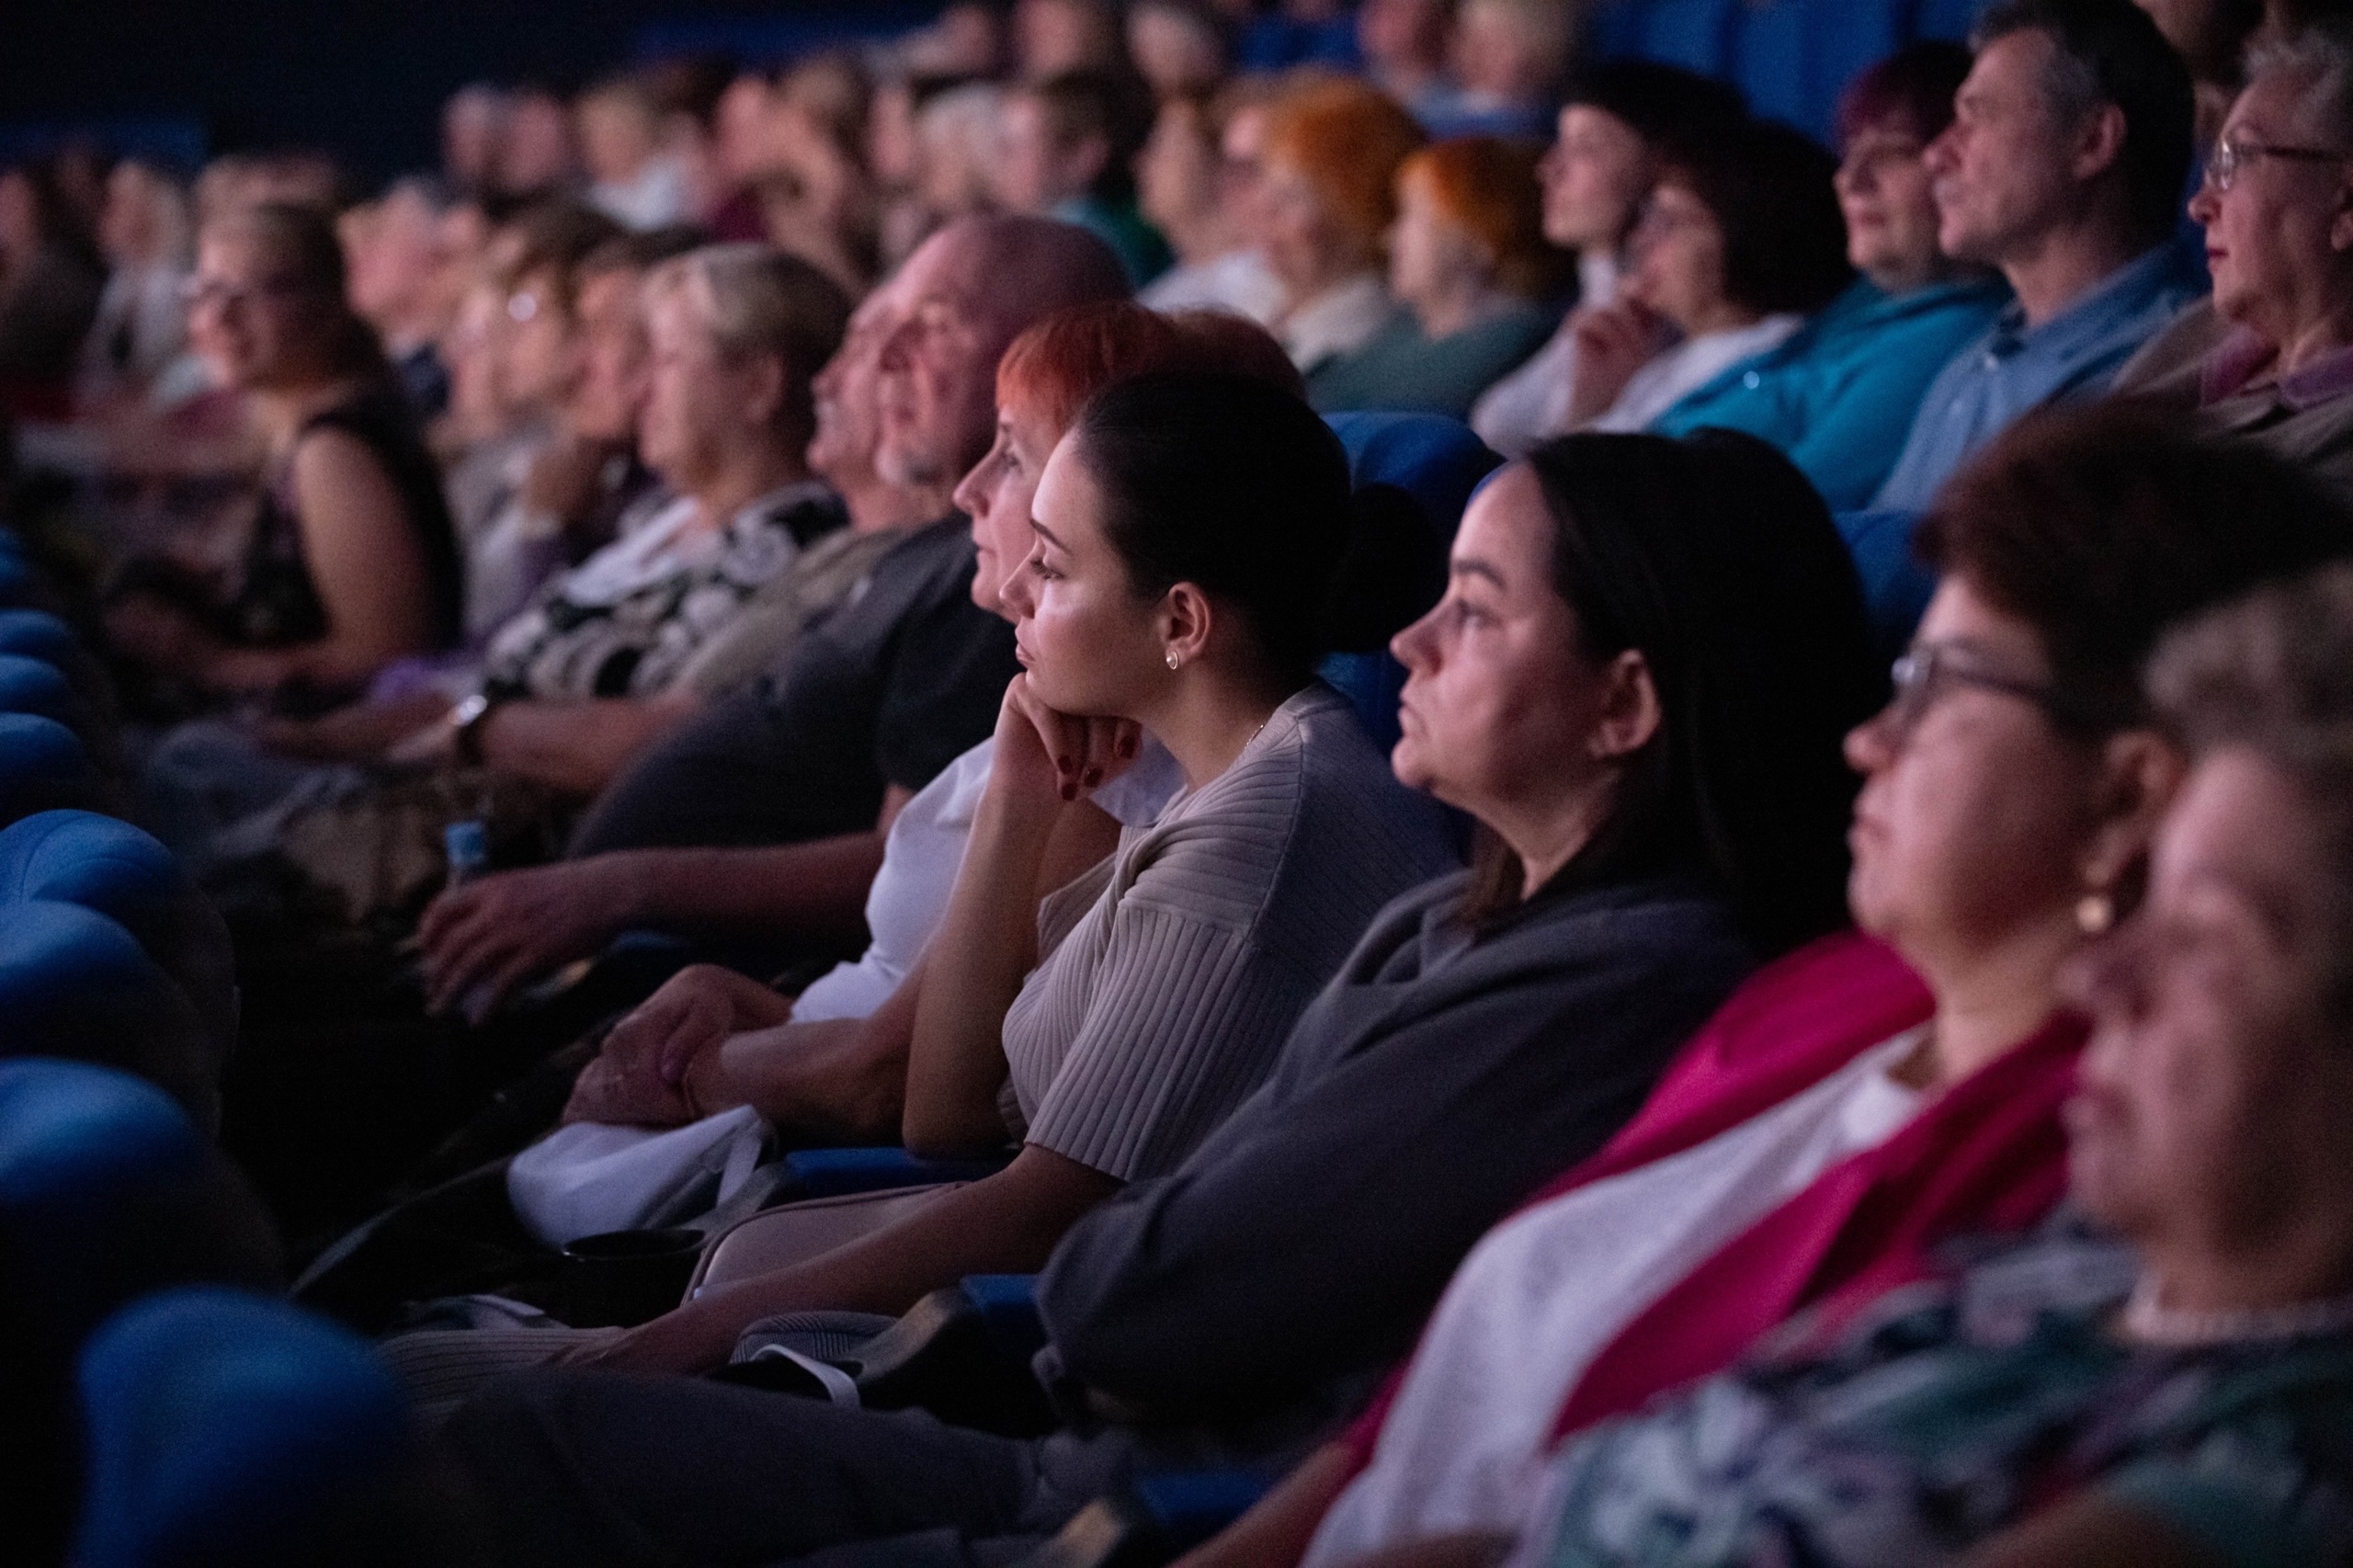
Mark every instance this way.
x=765 y=815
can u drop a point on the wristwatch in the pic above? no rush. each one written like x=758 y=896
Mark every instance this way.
x=466 y=722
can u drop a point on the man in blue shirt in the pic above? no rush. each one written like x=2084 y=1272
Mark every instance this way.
x=2070 y=141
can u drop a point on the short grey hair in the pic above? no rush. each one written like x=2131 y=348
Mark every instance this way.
x=755 y=300
x=2321 y=55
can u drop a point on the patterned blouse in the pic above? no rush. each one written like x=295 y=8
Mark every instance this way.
x=1950 y=1410
x=625 y=621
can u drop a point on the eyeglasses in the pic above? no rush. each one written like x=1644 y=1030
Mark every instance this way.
x=2231 y=155
x=1929 y=670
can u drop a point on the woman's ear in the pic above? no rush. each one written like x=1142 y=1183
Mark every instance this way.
x=1185 y=622
x=2139 y=772
x=1630 y=711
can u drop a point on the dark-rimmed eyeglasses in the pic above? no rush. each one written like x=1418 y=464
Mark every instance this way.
x=1930 y=669
x=2233 y=153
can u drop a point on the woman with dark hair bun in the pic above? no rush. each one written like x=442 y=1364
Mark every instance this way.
x=353 y=561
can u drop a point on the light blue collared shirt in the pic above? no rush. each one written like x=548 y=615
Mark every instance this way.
x=2014 y=369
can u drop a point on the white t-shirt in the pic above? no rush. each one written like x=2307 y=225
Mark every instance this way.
x=1546 y=1291
x=921 y=856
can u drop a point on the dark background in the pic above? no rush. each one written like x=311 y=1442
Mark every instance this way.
x=363 y=78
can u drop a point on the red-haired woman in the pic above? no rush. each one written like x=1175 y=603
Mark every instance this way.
x=1468 y=259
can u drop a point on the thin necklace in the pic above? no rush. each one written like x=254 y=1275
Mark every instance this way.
x=2148 y=1319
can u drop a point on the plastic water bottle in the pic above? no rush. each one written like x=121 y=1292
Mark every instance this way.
x=466 y=845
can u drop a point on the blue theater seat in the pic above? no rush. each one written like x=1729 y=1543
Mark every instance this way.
x=108 y=1192
x=37 y=634
x=45 y=766
x=1793 y=58
x=107 y=865
x=36 y=686
x=225 y=1428
x=75 y=984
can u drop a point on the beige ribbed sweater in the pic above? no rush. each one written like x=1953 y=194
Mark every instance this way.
x=1176 y=968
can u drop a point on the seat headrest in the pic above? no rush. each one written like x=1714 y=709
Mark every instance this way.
x=1436 y=460
x=100 y=862
x=75 y=1136
x=35 y=686
x=38 y=634
x=76 y=984
x=226 y=1427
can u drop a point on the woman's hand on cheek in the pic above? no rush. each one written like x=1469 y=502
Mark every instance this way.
x=1045 y=756
x=1613 y=342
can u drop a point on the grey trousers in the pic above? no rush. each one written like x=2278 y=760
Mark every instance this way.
x=583 y=1469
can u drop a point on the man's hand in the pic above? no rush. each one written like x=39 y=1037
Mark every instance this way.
x=483 y=940
x=696 y=1337
x=640 y=1075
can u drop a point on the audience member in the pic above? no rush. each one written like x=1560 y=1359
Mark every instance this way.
x=406 y=284
x=1180 y=46
x=1844 y=1112
x=1403 y=44
x=1066 y=148
x=2206 y=1313
x=1739 y=242
x=818 y=757
x=1839 y=394
x=352 y=562
x=1620 y=117
x=1056 y=37
x=633 y=180
x=1505 y=59
x=1468 y=259
x=2061 y=167
x=538 y=146
x=137 y=345
x=1186 y=189
x=1325 y=197
x=473 y=123
x=2269 y=355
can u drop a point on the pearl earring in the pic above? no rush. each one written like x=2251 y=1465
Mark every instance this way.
x=1173 y=660
x=2095 y=913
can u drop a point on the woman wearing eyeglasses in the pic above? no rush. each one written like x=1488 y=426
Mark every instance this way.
x=351 y=561
x=1874 y=1093
x=2269 y=354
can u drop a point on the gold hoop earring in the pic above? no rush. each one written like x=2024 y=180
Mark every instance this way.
x=2095 y=913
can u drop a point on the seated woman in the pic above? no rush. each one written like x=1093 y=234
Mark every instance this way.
x=1468 y=259
x=352 y=563
x=1618 y=117
x=1637 y=682
x=1196 y=550
x=1326 y=194
x=1839 y=395
x=2171 y=1387
x=2269 y=354
x=1854 y=1103
x=1739 y=242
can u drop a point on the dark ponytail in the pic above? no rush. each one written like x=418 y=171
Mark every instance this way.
x=1241 y=490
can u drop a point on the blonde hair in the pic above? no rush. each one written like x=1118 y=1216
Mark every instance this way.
x=755 y=302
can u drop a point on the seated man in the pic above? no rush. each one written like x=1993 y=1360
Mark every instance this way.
x=2069 y=144
x=813 y=759
x=2270 y=356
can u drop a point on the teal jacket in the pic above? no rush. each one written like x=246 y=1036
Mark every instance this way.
x=1838 y=397
x=1402 y=371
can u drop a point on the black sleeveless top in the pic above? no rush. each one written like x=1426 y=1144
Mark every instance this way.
x=276 y=605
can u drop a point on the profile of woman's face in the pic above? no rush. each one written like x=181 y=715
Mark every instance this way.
x=1499 y=701
x=1091 y=645
x=999 y=494
x=1975 y=813
x=1678 y=260
x=1429 y=253
x=695 y=396
x=540 y=362
x=1889 y=202
x=1594 y=178
x=2215 y=1081
x=248 y=315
